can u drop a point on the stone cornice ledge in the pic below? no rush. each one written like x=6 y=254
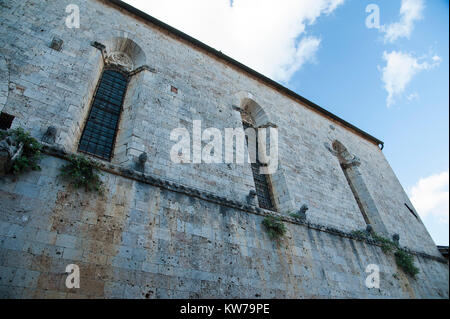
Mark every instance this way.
x=129 y=173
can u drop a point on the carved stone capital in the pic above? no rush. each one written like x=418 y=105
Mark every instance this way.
x=354 y=162
x=120 y=59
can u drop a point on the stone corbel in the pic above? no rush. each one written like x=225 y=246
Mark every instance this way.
x=301 y=213
x=251 y=197
x=142 y=159
x=50 y=135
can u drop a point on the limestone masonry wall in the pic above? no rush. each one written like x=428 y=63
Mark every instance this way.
x=145 y=241
x=140 y=241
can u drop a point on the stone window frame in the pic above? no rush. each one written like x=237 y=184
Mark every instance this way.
x=281 y=197
x=350 y=168
x=268 y=187
x=122 y=53
x=127 y=76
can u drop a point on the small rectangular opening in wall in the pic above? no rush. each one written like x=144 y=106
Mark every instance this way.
x=5 y=121
x=173 y=89
x=412 y=212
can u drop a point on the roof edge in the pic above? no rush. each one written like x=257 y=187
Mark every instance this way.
x=243 y=67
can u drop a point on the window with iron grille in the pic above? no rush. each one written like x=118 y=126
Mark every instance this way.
x=5 y=121
x=261 y=181
x=101 y=126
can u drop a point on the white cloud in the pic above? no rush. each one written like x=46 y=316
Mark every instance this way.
x=410 y=12
x=399 y=71
x=436 y=59
x=413 y=96
x=266 y=35
x=430 y=196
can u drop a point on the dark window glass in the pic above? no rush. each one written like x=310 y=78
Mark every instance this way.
x=5 y=121
x=412 y=212
x=261 y=182
x=101 y=127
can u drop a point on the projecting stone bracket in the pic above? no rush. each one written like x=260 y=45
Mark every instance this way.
x=301 y=213
x=251 y=198
x=140 y=164
x=396 y=238
x=50 y=135
x=302 y=210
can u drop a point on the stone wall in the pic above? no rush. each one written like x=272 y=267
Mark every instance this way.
x=4 y=81
x=142 y=241
x=50 y=87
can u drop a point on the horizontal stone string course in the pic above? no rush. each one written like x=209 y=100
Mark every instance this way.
x=126 y=172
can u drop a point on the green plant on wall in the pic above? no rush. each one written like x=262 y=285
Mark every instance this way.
x=403 y=258
x=30 y=152
x=292 y=213
x=295 y=215
x=274 y=227
x=406 y=261
x=359 y=233
x=387 y=245
x=82 y=172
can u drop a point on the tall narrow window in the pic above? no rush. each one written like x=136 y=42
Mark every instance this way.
x=411 y=211
x=350 y=167
x=101 y=126
x=261 y=182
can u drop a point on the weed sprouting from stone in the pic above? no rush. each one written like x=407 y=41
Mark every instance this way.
x=82 y=172
x=274 y=226
x=403 y=258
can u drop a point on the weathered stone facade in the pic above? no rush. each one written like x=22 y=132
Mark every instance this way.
x=185 y=230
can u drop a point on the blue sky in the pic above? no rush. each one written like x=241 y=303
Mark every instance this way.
x=346 y=80
x=391 y=81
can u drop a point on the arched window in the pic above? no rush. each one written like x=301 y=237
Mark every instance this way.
x=350 y=167
x=269 y=179
x=100 y=130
